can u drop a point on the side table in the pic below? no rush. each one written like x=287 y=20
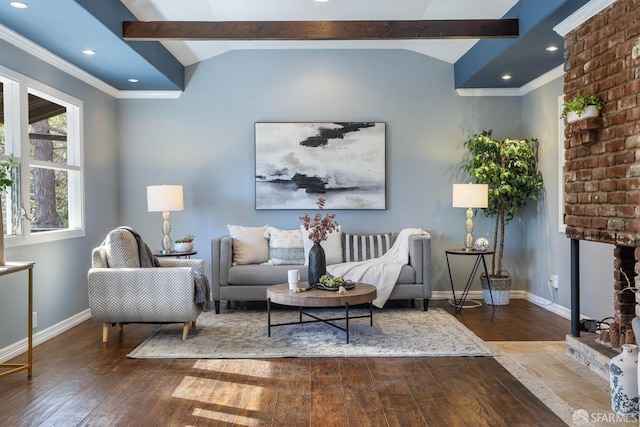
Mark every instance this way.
x=459 y=303
x=184 y=255
x=14 y=267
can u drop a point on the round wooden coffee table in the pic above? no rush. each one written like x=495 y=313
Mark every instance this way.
x=361 y=294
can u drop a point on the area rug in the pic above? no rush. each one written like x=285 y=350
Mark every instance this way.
x=240 y=334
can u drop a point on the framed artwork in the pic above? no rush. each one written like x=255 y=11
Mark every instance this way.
x=296 y=163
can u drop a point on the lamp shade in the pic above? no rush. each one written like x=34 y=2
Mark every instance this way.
x=470 y=195
x=161 y=198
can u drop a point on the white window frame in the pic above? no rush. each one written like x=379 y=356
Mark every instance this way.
x=16 y=90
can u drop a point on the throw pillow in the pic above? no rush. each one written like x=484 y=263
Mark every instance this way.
x=332 y=246
x=285 y=246
x=360 y=247
x=249 y=244
x=122 y=249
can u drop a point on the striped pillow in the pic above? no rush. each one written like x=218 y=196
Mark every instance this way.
x=360 y=247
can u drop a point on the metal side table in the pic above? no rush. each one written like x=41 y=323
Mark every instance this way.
x=459 y=303
x=12 y=368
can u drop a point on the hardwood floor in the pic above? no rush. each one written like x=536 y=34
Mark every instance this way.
x=78 y=381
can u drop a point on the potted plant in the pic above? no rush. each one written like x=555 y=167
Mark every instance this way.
x=185 y=244
x=6 y=181
x=510 y=168
x=581 y=107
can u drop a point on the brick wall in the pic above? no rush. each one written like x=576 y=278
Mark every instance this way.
x=602 y=169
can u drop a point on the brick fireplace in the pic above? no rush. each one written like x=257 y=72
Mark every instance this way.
x=602 y=169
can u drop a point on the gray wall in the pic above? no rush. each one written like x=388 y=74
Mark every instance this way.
x=205 y=140
x=60 y=288
x=547 y=249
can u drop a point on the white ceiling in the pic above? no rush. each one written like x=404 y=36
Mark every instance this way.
x=190 y=52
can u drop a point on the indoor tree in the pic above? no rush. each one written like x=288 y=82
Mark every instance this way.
x=510 y=168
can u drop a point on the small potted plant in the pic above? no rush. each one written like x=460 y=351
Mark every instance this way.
x=581 y=107
x=185 y=244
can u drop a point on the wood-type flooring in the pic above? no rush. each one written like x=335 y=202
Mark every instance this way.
x=79 y=381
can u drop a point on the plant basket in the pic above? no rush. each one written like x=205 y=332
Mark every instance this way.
x=500 y=289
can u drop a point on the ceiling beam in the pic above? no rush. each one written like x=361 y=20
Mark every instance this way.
x=320 y=30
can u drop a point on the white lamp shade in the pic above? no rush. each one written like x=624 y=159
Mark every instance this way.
x=161 y=198
x=470 y=195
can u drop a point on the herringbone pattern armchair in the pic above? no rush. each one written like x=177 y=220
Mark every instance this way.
x=120 y=291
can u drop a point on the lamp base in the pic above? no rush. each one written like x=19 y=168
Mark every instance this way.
x=167 y=243
x=468 y=226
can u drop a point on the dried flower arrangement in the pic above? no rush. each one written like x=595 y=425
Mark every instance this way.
x=319 y=227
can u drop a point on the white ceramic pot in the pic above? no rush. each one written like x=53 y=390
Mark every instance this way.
x=183 y=247
x=589 y=111
x=623 y=376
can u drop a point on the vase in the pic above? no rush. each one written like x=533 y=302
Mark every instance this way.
x=623 y=375
x=317 y=263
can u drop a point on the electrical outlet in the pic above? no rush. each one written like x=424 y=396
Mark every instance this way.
x=553 y=279
x=34 y=319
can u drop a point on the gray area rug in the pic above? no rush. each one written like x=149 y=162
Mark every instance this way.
x=239 y=334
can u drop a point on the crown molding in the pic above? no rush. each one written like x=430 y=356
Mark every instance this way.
x=534 y=84
x=542 y=80
x=39 y=52
x=489 y=92
x=581 y=16
x=149 y=94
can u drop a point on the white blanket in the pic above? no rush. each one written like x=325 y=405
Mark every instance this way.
x=382 y=272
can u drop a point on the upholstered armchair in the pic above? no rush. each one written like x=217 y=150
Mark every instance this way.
x=120 y=291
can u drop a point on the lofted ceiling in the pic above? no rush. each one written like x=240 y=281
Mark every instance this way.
x=67 y=27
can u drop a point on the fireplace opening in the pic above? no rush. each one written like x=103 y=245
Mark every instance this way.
x=625 y=297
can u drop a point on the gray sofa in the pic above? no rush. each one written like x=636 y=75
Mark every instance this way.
x=249 y=282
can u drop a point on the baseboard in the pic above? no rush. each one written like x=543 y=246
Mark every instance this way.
x=549 y=305
x=20 y=347
x=515 y=294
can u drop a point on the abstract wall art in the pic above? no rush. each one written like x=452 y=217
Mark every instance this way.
x=344 y=162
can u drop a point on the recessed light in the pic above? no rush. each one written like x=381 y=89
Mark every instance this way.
x=321 y=1
x=19 y=4
x=506 y=77
x=552 y=48
x=89 y=52
x=133 y=80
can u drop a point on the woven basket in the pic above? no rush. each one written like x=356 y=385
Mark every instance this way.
x=500 y=289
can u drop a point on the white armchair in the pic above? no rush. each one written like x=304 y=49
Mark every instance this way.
x=120 y=291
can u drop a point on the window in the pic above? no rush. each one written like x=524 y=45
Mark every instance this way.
x=41 y=128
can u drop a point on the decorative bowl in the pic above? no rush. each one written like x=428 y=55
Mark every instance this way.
x=183 y=247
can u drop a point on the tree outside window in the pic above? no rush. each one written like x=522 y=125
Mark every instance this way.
x=46 y=201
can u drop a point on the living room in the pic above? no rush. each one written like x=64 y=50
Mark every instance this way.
x=204 y=140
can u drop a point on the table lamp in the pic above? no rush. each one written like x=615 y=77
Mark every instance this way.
x=470 y=196
x=165 y=198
